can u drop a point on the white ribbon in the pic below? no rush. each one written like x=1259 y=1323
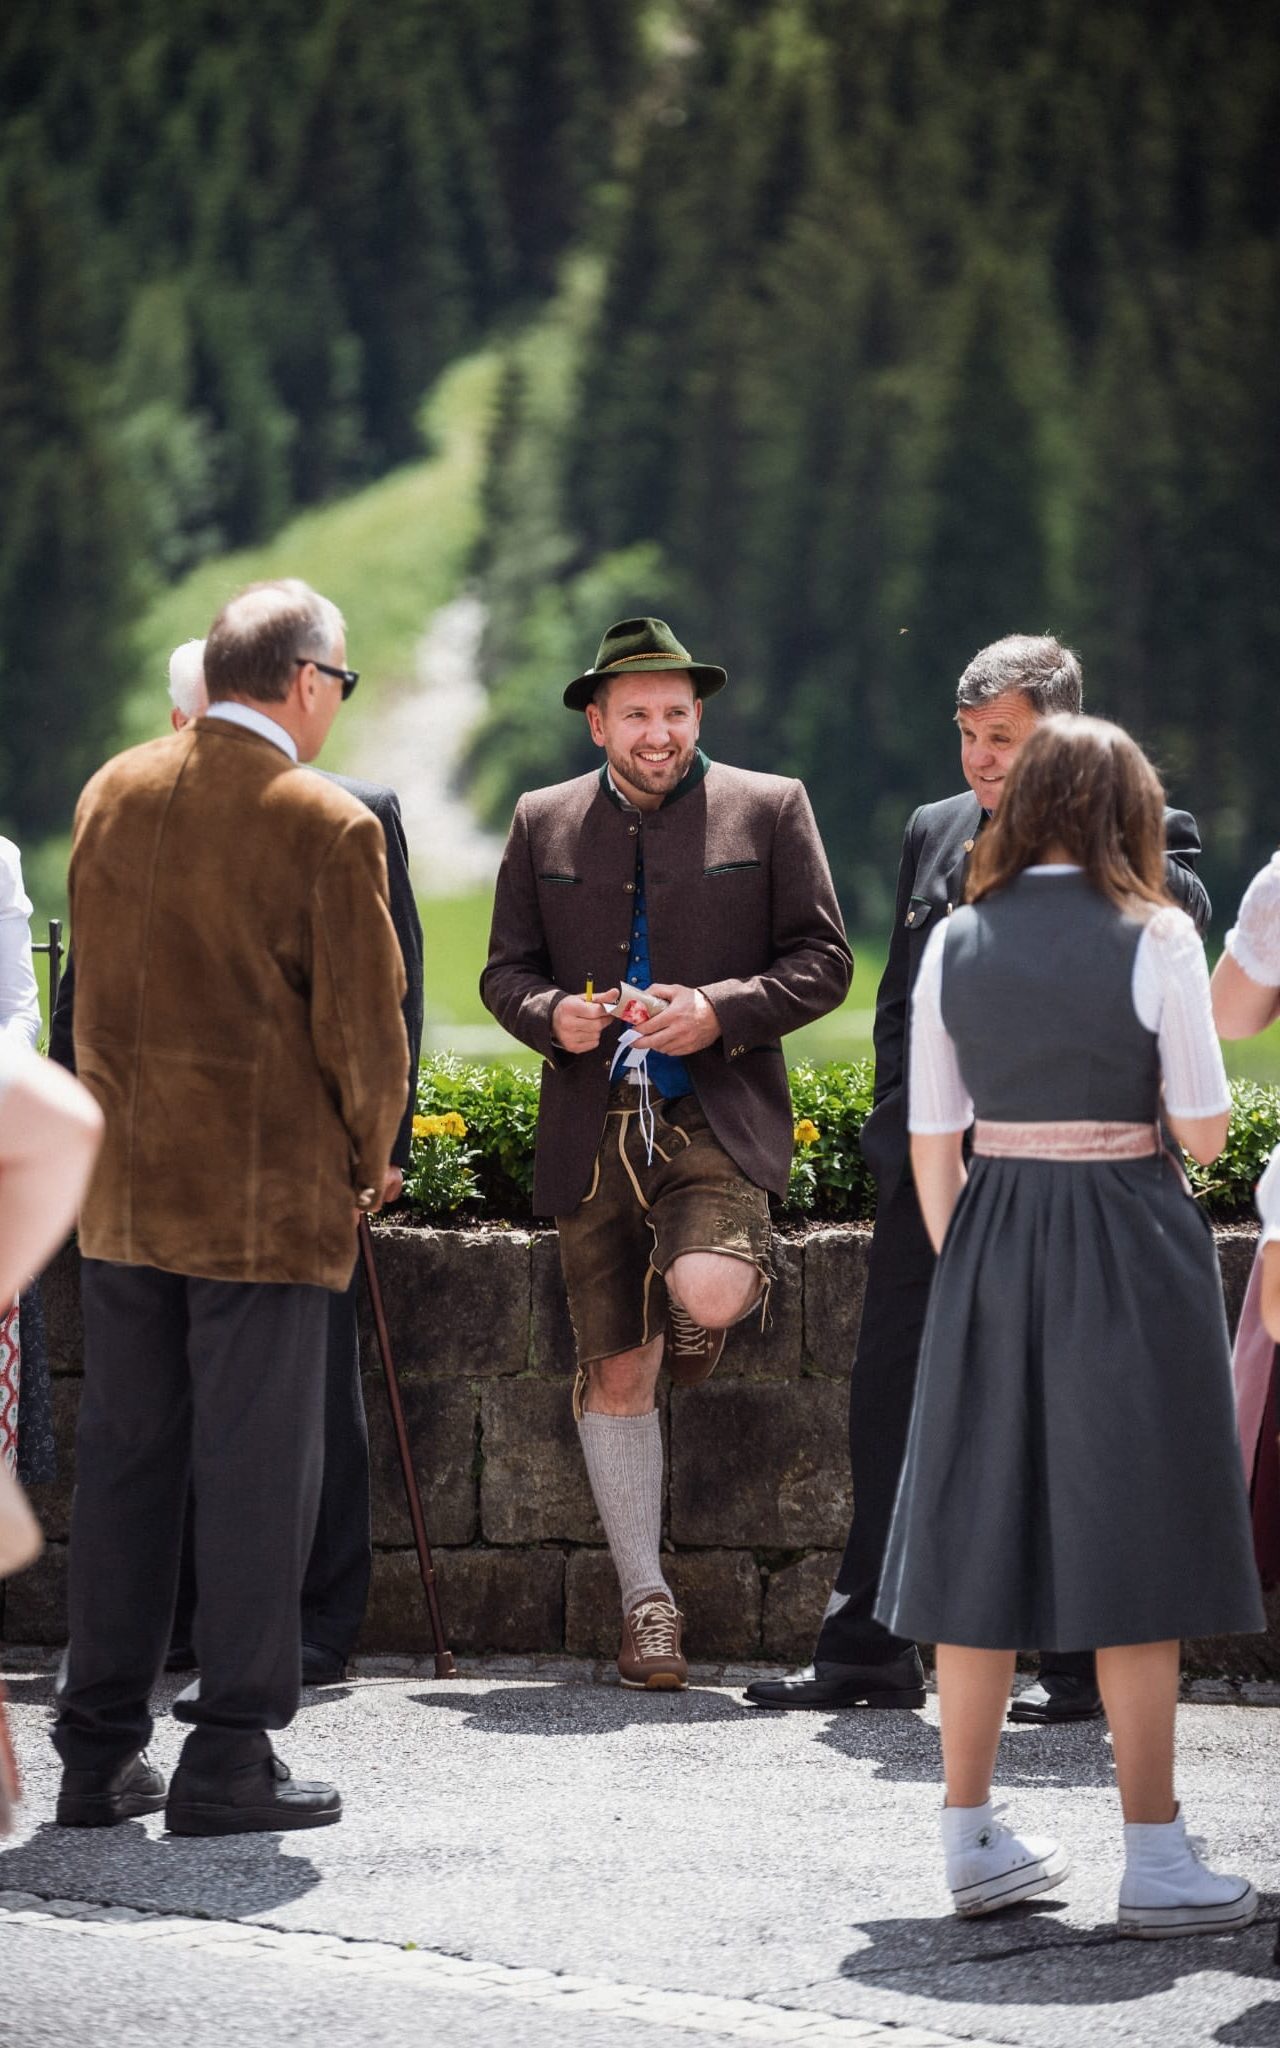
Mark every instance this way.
x=636 y=1060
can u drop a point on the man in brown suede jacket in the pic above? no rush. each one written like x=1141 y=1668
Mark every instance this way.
x=657 y=1150
x=238 y=1020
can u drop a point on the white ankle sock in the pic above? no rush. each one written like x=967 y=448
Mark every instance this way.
x=624 y=1465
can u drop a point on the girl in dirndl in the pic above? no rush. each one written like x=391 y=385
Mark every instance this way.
x=1072 y=1477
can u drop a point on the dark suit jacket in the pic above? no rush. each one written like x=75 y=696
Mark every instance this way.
x=935 y=852
x=385 y=805
x=740 y=904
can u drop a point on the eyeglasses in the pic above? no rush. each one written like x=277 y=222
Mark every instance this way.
x=348 y=677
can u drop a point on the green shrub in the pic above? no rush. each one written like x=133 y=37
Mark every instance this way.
x=486 y=1164
x=1226 y=1188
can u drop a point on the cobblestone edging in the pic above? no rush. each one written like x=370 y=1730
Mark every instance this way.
x=447 y=1976
x=758 y=1498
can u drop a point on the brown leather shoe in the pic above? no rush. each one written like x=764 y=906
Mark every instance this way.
x=650 y=1659
x=690 y=1353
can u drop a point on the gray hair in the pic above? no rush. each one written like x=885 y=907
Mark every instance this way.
x=1035 y=663
x=186 y=679
x=261 y=634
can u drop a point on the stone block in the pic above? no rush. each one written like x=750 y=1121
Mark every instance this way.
x=64 y=1324
x=52 y=1503
x=776 y=1352
x=440 y=1417
x=592 y=1615
x=835 y=1280
x=489 y=1600
x=717 y=1591
x=533 y=1485
x=1237 y=1243
x=457 y=1301
x=35 y=1601
x=795 y=1598
x=551 y=1345
x=759 y=1464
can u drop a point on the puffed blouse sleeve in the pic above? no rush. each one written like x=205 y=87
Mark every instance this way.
x=19 y=996
x=1254 y=939
x=937 y=1097
x=1171 y=997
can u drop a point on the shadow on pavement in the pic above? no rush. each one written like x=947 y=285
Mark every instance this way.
x=961 y=1962
x=557 y=1709
x=908 y=1748
x=233 y=1875
x=1257 y=2028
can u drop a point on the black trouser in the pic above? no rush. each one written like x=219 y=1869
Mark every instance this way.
x=881 y=1391
x=217 y=1385
x=335 y=1590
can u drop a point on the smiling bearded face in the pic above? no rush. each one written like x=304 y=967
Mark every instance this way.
x=648 y=726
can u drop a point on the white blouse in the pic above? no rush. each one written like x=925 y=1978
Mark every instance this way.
x=1254 y=939
x=19 y=997
x=1170 y=992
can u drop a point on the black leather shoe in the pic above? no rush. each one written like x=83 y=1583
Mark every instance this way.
x=102 y=1799
x=180 y=1657
x=321 y=1666
x=898 y=1683
x=1058 y=1696
x=250 y=1799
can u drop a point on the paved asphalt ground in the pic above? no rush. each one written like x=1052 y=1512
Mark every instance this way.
x=535 y=1860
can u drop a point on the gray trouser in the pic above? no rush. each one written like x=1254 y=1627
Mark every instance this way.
x=219 y=1384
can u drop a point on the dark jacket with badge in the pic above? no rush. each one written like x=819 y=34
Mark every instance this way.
x=935 y=853
x=740 y=905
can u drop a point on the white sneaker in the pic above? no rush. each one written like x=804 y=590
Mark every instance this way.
x=989 y=1867
x=1167 y=1891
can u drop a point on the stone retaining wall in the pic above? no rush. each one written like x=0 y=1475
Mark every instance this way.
x=757 y=1488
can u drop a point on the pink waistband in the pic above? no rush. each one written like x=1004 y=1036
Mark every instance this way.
x=1084 y=1140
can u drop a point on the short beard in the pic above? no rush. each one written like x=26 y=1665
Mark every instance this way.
x=651 y=781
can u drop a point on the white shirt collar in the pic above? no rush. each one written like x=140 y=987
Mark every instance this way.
x=253 y=720
x=626 y=802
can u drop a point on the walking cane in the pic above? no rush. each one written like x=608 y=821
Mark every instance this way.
x=445 y=1666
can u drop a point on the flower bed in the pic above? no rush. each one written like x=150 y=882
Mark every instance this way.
x=474 y=1131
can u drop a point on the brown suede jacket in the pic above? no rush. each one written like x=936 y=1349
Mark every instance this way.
x=238 y=989
x=740 y=904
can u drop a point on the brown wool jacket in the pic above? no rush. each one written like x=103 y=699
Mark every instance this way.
x=238 y=989
x=740 y=904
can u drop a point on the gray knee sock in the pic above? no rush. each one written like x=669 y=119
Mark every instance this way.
x=624 y=1465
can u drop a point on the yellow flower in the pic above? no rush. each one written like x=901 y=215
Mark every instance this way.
x=807 y=1132
x=450 y=1125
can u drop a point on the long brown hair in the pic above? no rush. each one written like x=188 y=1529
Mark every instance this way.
x=1084 y=785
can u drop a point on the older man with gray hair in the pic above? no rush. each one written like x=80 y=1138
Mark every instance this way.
x=238 y=1020
x=1001 y=697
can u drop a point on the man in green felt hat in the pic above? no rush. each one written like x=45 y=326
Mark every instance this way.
x=705 y=889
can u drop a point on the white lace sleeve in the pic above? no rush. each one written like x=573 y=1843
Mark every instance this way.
x=937 y=1097
x=19 y=996
x=1254 y=939
x=1267 y=1197
x=1171 y=997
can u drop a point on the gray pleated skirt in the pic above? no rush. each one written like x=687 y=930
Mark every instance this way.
x=1073 y=1476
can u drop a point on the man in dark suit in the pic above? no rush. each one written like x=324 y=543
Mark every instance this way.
x=238 y=1021
x=336 y=1586
x=1001 y=696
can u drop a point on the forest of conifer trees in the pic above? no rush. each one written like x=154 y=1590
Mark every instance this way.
x=909 y=323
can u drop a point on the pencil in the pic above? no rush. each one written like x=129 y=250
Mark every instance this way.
x=591 y=988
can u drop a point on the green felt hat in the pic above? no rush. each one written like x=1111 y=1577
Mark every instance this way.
x=639 y=645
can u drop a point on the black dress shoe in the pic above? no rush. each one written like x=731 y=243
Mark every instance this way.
x=102 y=1799
x=898 y=1683
x=180 y=1657
x=250 y=1799
x=321 y=1666
x=1058 y=1696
